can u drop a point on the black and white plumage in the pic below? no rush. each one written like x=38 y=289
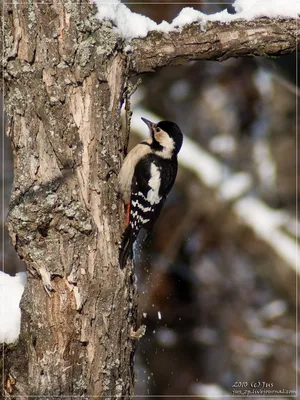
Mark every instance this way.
x=146 y=177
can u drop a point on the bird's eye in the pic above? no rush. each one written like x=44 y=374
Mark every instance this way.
x=158 y=129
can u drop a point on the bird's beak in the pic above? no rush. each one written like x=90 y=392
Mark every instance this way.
x=148 y=123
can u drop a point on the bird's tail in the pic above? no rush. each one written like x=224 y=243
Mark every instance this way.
x=126 y=249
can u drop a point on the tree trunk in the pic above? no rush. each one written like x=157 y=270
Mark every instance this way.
x=65 y=80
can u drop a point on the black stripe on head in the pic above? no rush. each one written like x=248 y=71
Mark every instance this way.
x=156 y=145
x=146 y=143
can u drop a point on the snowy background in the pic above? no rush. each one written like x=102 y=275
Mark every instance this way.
x=217 y=277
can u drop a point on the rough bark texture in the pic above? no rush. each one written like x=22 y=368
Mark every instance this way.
x=64 y=84
x=65 y=79
x=214 y=41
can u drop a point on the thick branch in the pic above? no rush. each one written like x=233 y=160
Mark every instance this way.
x=218 y=41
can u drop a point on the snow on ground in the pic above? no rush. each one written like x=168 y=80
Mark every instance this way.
x=11 y=290
x=133 y=25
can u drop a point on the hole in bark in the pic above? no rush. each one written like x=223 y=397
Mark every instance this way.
x=110 y=173
x=43 y=230
x=31 y=62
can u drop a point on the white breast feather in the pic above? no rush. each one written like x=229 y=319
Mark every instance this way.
x=154 y=183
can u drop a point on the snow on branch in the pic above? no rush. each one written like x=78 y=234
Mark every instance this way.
x=132 y=25
x=261 y=27
x=218 y=41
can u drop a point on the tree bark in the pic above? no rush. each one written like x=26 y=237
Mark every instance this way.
x=66 y=76
x=64 y=85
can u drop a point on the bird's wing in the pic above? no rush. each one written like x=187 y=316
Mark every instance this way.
x=151 y=184
x=141 y=209
x=152 y=181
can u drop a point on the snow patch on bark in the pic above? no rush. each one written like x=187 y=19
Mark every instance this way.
x=11 y=290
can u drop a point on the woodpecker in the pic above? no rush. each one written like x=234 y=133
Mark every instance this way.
x=145 y=179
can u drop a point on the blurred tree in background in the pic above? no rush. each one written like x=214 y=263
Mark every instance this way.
x=224 y=311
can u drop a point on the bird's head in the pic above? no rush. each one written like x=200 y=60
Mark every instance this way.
x=167 y=137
